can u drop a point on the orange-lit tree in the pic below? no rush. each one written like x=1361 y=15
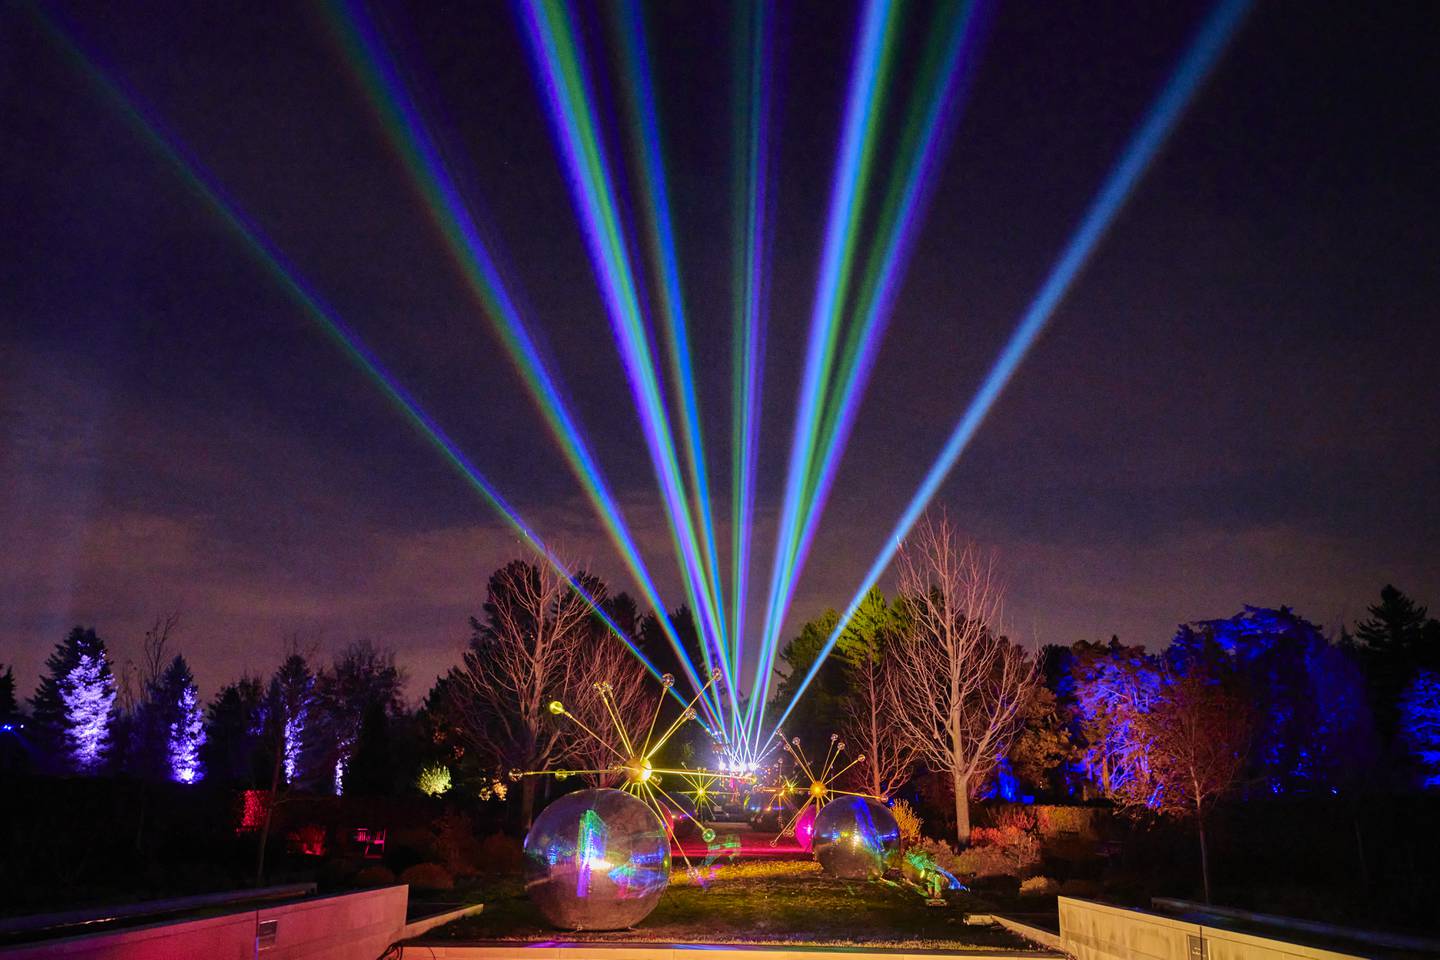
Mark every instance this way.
x=1195 y=737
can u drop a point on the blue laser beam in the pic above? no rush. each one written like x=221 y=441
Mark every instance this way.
x=269 y=255
x=410 y=135
x=1211 y=40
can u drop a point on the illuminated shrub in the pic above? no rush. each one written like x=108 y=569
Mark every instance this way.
x=434 y=780
x=1000 y=852
x=428 y=876
x=909 y=821
x=1039 y=887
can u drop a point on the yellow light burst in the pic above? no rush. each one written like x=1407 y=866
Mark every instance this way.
x=634 y=759
x=816 y=787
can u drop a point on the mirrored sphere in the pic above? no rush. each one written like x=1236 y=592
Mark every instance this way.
x=596 y=860
x=856 y=838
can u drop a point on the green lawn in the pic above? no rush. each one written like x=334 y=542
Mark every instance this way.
x=758 y=901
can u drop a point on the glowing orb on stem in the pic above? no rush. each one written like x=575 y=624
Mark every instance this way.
x=597 y=860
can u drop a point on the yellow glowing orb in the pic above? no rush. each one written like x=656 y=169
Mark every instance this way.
x=637 y=770
x=818 y=790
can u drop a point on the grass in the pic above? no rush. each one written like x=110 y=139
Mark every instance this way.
x=757 y=901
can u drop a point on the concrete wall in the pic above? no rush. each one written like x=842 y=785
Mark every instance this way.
x=1097 y=931
x=353 y=926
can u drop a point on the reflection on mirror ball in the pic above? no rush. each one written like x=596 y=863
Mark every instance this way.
x=856 y=838
x=596 y=860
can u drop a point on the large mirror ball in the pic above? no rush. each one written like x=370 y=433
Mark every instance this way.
x=856 y=838
x=596 y=860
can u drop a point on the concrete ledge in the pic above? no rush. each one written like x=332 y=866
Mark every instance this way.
x=558 y=950
x=1379 y=938
x=1048 y=939
x=423 y=925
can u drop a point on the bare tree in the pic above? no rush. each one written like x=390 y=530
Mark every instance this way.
x=870 y=724
x=634 y=697
x=532 y=648
x=1197 y=734
x=157 y=640
x=958 y=689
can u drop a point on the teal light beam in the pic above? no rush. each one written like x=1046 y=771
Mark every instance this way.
x=195 y=176
x=1200 y=57
x=408 y=134
x=868 y=79
x=555 y=55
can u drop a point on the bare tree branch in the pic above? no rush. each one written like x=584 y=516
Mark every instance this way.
x=958 y=689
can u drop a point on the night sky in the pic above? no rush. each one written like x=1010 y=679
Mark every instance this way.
x=1236 y=403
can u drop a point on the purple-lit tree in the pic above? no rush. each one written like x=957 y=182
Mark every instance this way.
x=73 y=706
x=184 y=722
x=292 y=693
x=1113 y=687
x=88 y=692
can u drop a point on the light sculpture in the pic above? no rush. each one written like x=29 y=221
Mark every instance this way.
x=815 y=788
x=634 y=759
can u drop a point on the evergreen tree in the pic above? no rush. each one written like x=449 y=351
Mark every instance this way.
x=362 y=679
x=1397 y=626
x=8 y=706
x=176 y=704
x=1394 y=644
x=235 y=723
x=291 y=699
x=72 y=709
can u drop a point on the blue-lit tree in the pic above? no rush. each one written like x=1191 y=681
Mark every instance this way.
x=1312 y=729
x=1420 y=725
x=1112 y=687
x=291 y=699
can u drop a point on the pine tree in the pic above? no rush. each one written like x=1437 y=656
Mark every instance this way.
x=88 y=692
x=292 y=695
x=8 y=706
x=177 y=702
x=72 y=709
x=1396 y=625
x=235 y=722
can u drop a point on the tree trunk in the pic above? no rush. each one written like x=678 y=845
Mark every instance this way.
x=527 y=802
x=1204 y=857
x=269 y=810
x=1360 y=850
x=962 y=808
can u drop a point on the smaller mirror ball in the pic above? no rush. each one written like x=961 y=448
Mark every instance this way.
x=856 y=838
x=596 y=860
